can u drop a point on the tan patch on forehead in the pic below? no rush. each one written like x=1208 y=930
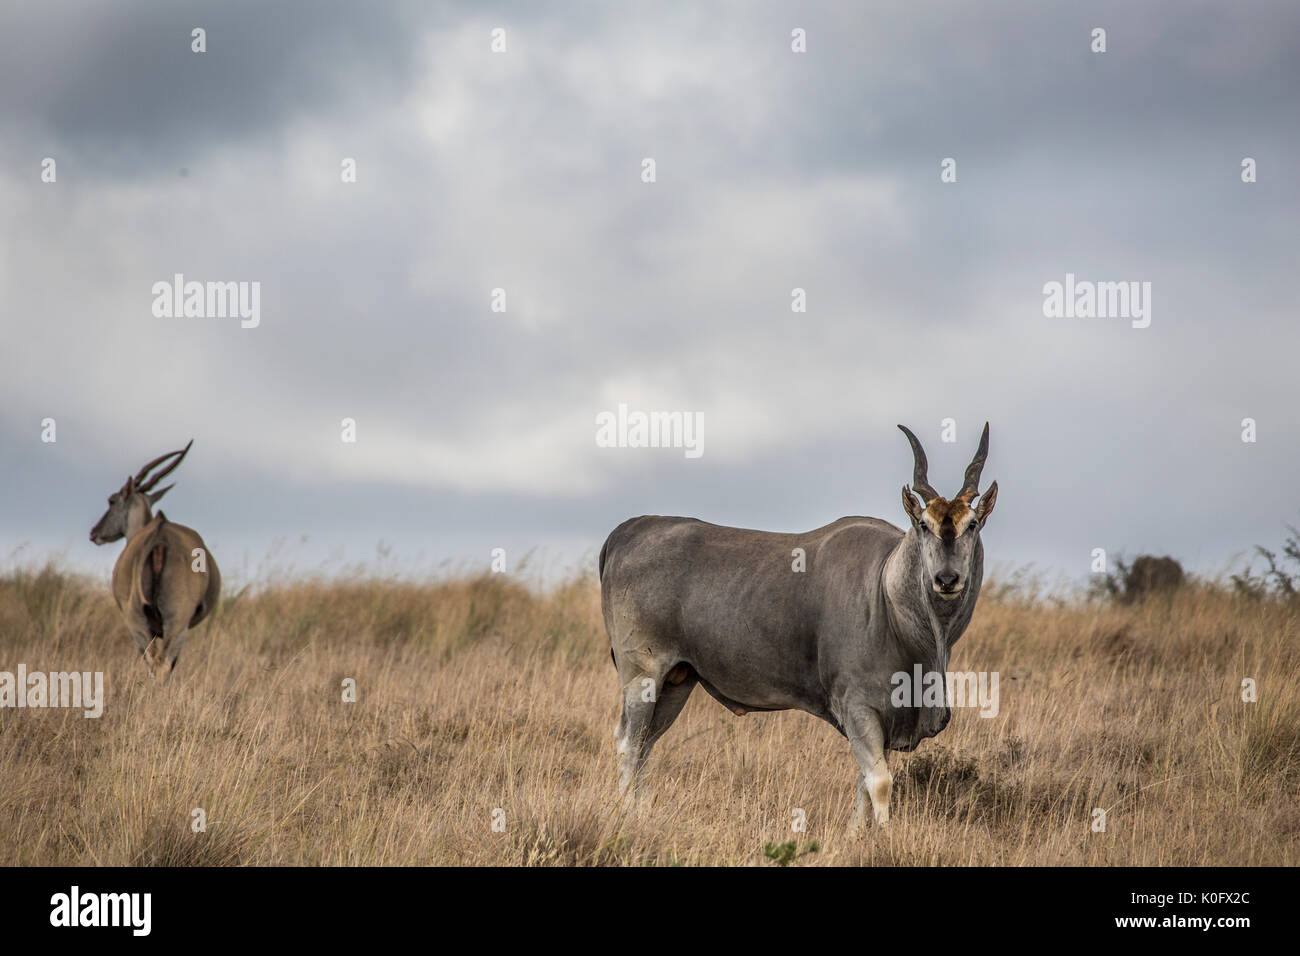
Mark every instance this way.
x=942 y=516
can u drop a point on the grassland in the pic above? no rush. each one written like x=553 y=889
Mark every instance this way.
x=481 y=693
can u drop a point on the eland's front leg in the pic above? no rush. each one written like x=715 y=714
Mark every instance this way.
x=867 y=738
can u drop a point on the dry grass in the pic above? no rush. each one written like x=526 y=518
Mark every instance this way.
x=480 y=693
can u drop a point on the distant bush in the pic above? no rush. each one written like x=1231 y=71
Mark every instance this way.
x=1150 y=574
x=1282 y=576
x=1147 y=575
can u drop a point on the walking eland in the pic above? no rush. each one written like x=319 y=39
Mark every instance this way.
x=165 y=581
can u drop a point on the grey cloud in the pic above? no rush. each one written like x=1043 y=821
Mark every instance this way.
x=774 y=171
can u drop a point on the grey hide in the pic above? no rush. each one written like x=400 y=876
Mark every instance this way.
x=686 y=602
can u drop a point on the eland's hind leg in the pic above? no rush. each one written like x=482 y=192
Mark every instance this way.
x=649 y=709
x=639 y=696
x=176 y=629
x=673 y=694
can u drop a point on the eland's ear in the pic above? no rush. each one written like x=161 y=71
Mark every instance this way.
x=153 y=496
x=912 y=506
x=987 y=501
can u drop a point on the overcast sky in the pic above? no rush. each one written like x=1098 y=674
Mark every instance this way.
x=523 y=170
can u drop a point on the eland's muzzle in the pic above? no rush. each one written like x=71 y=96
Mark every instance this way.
x=947 y=584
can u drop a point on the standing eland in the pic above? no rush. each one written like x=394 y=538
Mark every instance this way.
x=686 y=603
x=165 y=581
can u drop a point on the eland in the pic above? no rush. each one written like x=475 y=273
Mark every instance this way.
x=164 y=582
x=820 y=622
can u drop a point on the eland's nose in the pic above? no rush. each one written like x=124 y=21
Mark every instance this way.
x=946 y=580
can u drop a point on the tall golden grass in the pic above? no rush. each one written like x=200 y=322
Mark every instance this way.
x=479 y=694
